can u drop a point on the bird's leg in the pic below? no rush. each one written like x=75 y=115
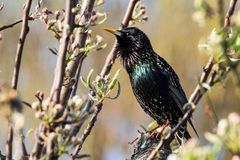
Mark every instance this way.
x=160 y=132
x=151 y=133
x=133 y=141
x=154 y=132
x=157 y=131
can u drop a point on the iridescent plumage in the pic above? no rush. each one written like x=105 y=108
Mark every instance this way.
x=154 y=82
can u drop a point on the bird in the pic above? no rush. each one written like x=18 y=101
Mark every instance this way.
x=154 y=82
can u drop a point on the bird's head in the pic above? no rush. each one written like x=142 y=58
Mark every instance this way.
x=132 y=44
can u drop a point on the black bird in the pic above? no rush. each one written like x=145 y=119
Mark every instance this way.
x=154 y=82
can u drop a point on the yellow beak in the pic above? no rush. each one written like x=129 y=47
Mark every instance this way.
x=113 y=31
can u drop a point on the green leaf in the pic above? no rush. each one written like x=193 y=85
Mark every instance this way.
x=104 y=15
x=118 y=91
x=213 y=138
x=114 y=80
x=89 y=78
x=29 y=132
x=203 y=45
x=152 y=126
x=101 y=47
x=68 y=57
x=84 y=82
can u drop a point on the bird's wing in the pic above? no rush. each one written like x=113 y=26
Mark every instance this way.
x=174 y=87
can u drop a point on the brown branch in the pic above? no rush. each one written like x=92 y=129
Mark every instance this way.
x=14 y=23
x=9 y=142
x=59 y=72
x=27 y=104
x=87 y=131
x=230 y=12
x=38 y=146
x=74 y=89
x=197 y=94
x=79 y=42
x=23 y=34
x=61 y=58
x=21 y=41
x=86 y=111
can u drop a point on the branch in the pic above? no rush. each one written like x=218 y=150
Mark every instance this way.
x=88 y=130
x=27 y=104
x=59 y=72
x=74 y=89
x=9 y=141
x=14 y=23
x=230 y=12
x=18 y=58
x=23 y=34
x=198 y=92
x=79 y=42
x=61 y=58
x=38 y=146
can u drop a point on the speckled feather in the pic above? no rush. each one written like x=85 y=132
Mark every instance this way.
x=155 y=84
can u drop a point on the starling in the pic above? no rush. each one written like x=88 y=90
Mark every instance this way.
x=154 y=82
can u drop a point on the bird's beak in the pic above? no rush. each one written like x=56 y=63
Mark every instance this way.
x=114 y=31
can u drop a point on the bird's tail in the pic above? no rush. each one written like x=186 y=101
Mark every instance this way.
x=182 y=134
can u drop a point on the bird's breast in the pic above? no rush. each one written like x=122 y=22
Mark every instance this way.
x=149 y=89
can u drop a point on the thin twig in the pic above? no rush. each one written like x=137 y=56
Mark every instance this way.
x=74 y=88
x=27 y=104
x=197 y=94
x=21 y=41
x=230 y=12
x=85 y=113
x=53 y=50
x=88 y=130
x=61 y=58
x=38 y=146
x=9 y=142
x=14 y=23
x=18 y=59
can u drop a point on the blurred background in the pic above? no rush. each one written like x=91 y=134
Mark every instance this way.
x=174 y=35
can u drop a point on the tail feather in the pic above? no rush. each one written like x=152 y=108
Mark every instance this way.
x=190 y=122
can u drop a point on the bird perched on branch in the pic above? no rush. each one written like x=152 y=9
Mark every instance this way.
x=154 y=83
